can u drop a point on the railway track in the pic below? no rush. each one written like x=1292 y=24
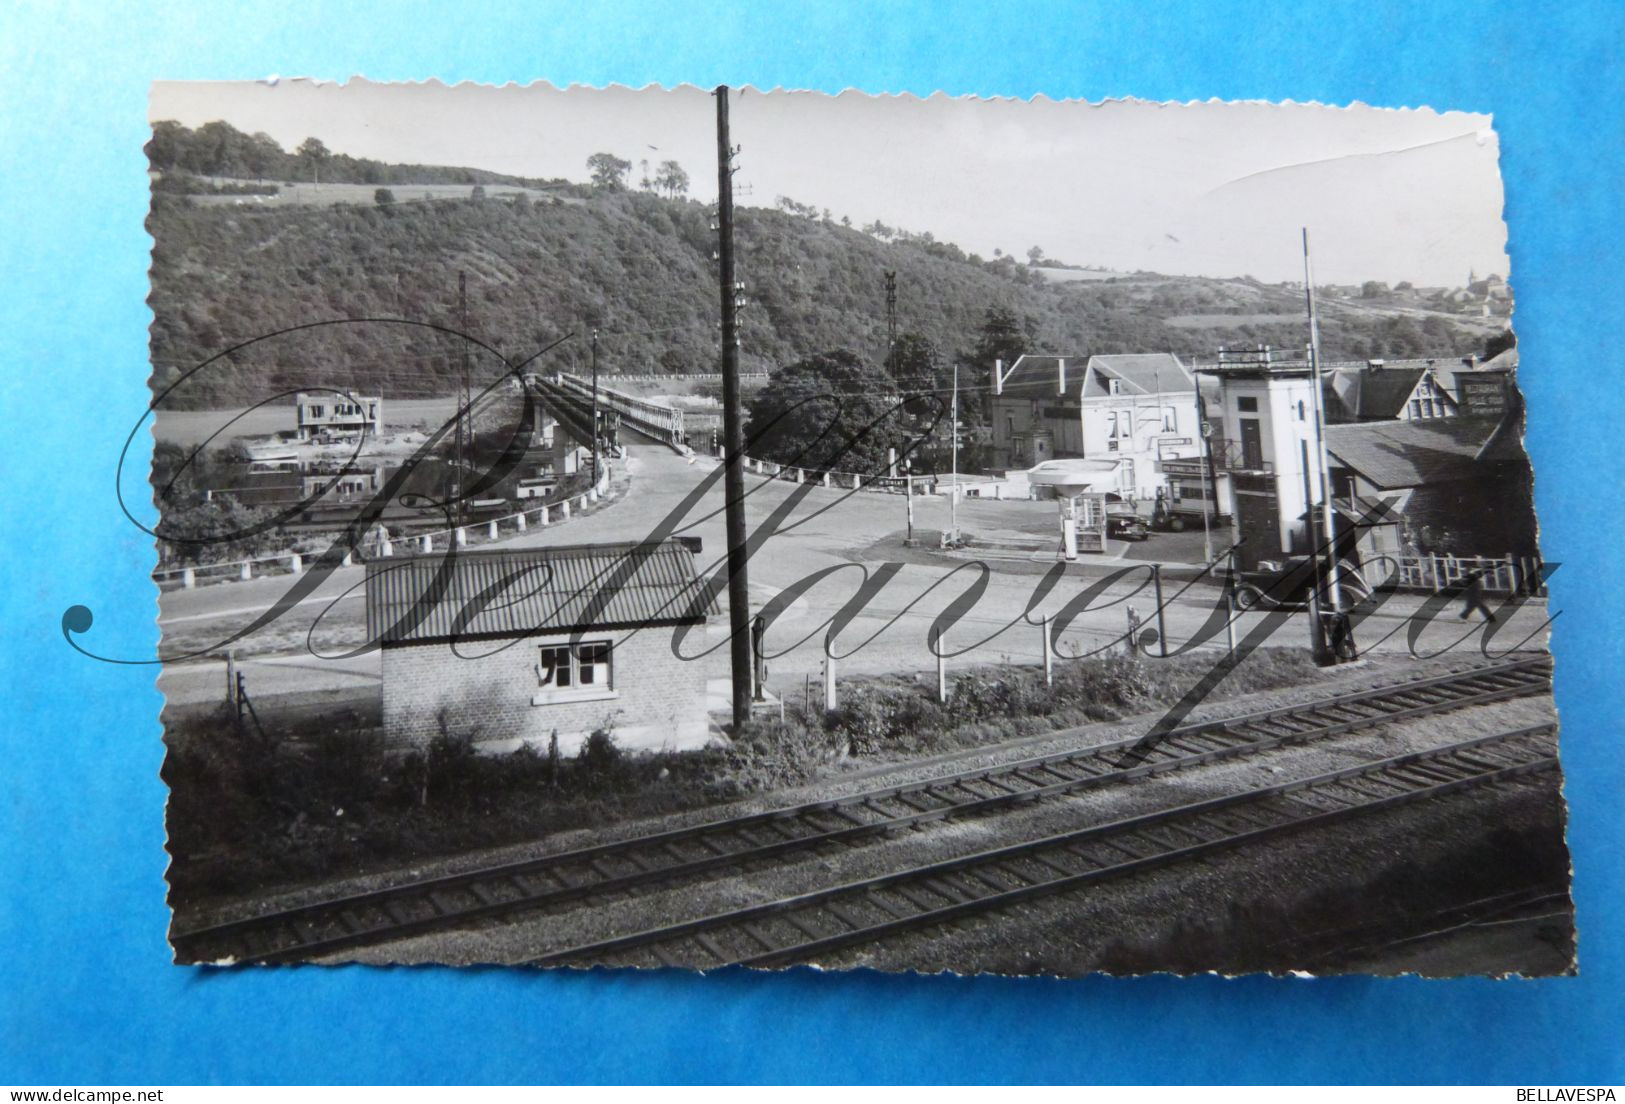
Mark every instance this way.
x=660 y=858
x=798 y=929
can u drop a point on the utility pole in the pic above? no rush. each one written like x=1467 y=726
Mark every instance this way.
x=595 y=404
x=891 y=323
x=1210 y=481
x=953 y=500
x=465 y=417
x=1328 y=510
x=733 y=429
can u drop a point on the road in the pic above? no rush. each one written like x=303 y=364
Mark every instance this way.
x=815 y=543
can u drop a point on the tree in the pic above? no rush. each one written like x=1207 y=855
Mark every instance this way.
x=383 y=197
x=1373 y=289
x=608 y=171
x=263 y=155
x=477 y=193
x=922 y=374
x=643 y=181
x=830 y=411
x=1034 y=255
x=671 y=179
x=313 y=155
x=1500 y=343
x=1003 y=335
x=168 y=146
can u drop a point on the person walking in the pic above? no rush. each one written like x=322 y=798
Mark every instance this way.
x=1474 y=598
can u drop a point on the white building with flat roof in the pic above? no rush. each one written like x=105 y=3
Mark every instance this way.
x=336 y=413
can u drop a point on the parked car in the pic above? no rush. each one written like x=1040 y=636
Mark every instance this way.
x=1124 y=524
x=1284 y=584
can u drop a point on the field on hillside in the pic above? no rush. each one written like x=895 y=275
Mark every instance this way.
x=324 y=195
x=1074 y=275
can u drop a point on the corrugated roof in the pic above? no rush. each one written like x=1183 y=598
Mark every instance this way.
x=1394 y=455
x=494 y=593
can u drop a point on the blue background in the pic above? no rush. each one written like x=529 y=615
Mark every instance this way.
x=86 y=992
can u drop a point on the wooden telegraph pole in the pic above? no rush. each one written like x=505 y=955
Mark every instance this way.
x=1328 y=509
x=595 y=405
x=733 y=430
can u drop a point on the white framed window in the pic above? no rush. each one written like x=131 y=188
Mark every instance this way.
x=571 y=669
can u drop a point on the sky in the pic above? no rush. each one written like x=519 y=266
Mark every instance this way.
x=1215 y=189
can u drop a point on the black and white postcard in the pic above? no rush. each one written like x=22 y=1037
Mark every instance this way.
x=720 y=527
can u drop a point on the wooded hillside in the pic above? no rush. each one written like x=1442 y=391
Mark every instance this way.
x=640 y=268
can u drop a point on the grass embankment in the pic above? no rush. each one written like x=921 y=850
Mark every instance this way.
x=317 y=798
x=1316 y=930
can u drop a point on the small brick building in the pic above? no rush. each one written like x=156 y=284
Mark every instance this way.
x=513 y=645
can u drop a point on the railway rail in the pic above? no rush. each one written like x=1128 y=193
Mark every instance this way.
x=798 y=929
x=660 y=858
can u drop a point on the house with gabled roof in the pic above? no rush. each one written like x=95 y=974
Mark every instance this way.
x=1460 y=485
x=513 y=646
x=1379 y=391
x=1136 y=409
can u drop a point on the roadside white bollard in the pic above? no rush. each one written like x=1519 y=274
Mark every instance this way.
x=857 y=482
x=188 y=578
x=541 y=517
x=296 y=563
x=519 y=522
x=798 y=475
x=427 y=543
x=348 y=560
x=592 y=495
x=564 y=510
x=461 y=536
x=491 y=530
x=386 y=549
x=826 y=479
x=247 y=571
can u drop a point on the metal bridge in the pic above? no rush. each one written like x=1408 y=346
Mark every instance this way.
x=569 y=399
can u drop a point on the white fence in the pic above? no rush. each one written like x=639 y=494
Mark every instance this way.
x=1503 y=575
x=461 y=536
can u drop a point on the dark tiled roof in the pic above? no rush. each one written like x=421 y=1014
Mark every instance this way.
x=1381 y=392
x=1393 y=455
x=1143 y=373
x=494 y=593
